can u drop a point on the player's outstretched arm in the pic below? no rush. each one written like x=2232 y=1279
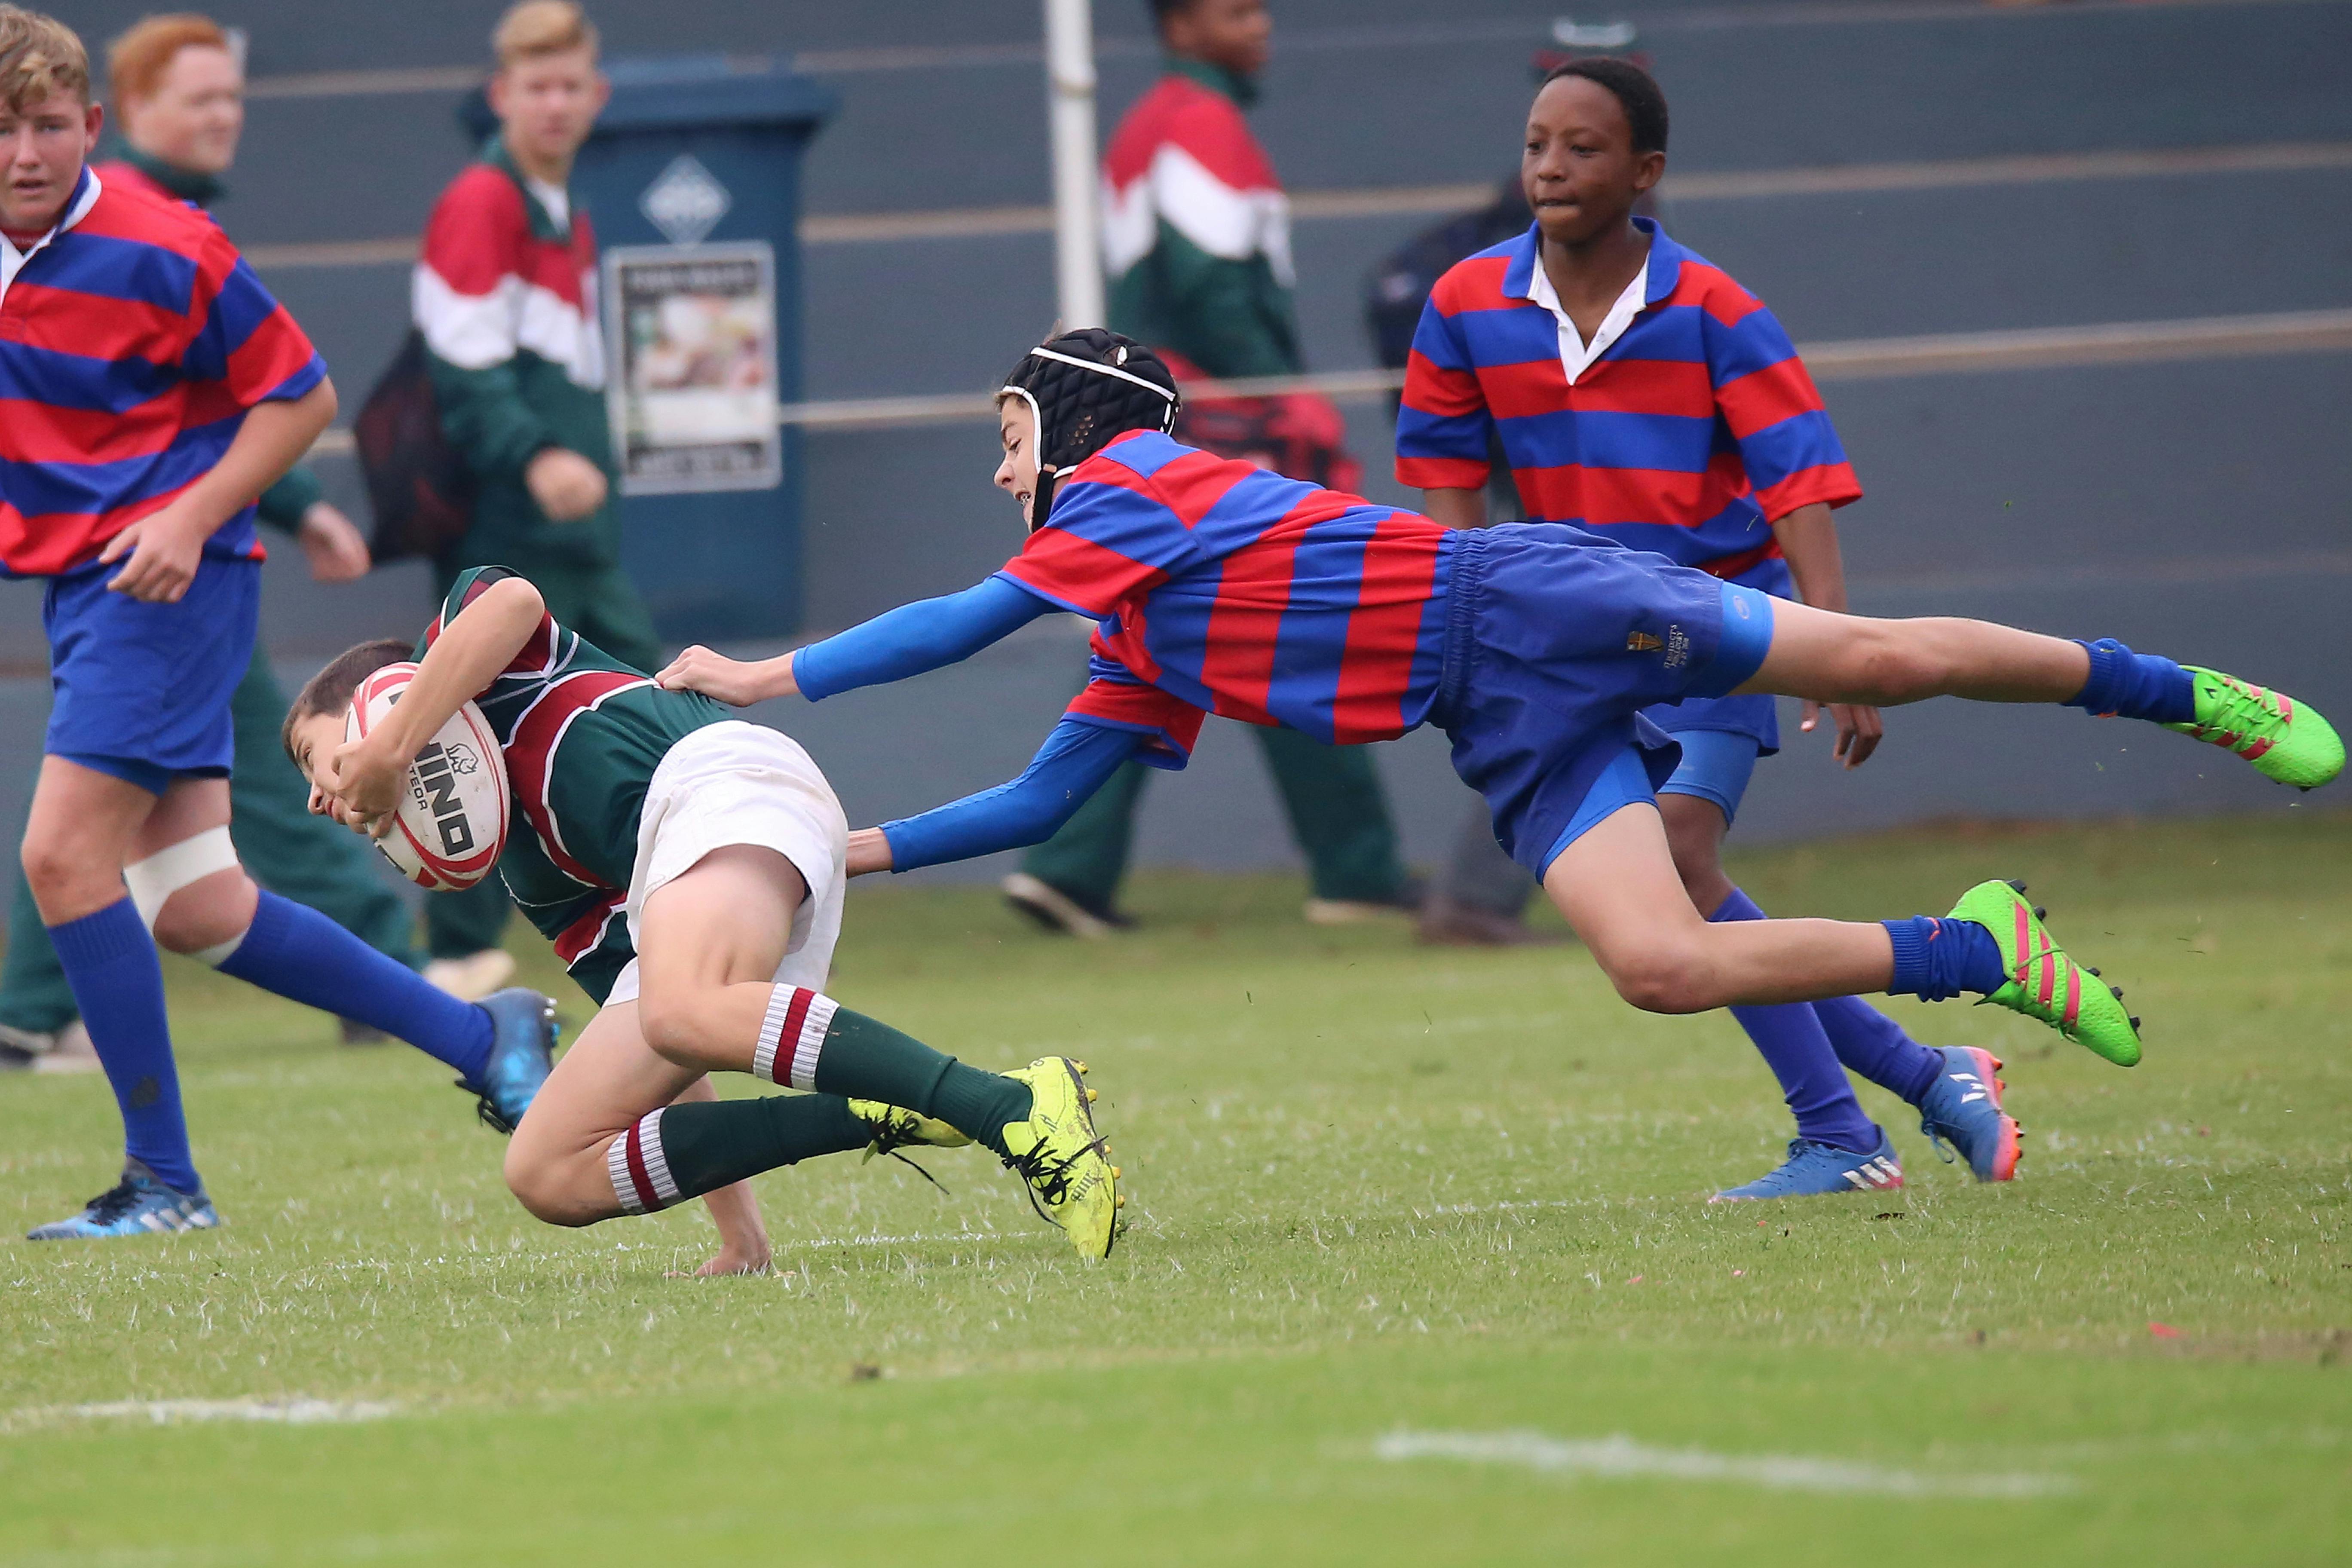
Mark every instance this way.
x=1077 y=760
x=364 y=777
x=909 y=640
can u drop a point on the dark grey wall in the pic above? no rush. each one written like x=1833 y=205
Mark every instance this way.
x=2103 y=499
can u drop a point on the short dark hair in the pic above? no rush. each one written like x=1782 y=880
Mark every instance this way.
x=1635 y=90
x=1163 y=9
x=330 y=691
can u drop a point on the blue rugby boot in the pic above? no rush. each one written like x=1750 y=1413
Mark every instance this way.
x=522 y=1049
x=1815 y=1169
x=139 y=1204
x=1962 y=1108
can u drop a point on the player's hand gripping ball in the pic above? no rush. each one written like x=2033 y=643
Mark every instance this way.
x=452 y=820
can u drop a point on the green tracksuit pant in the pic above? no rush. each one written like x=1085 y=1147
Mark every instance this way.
x=600 y=603
x=295 y=855
x=1337 y=813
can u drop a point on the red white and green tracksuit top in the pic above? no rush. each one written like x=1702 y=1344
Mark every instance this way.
x=505 y=295
x=1196 y=230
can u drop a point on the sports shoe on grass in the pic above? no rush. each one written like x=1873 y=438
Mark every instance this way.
x=1962 y=1108
x=1060 y=912
x=2044 y=983
x=139 y=1204
x=2285 y=740
x=474 y=976
x=522 y=1049
x=1072 y=1182
x=1813 y=1170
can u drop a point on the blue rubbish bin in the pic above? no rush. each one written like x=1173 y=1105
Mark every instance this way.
x=693 y=181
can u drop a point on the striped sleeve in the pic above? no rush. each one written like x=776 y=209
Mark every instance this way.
x=1445 y=429
x=1787 y=443
x=1115 y=699
x=244 y=342
x=537 y=656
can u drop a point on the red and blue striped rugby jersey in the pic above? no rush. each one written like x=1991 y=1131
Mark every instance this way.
x=131 y=343
x=1690 y=436
x=1220 y=587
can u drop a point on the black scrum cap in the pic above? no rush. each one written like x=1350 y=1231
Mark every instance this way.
x=1085 y=388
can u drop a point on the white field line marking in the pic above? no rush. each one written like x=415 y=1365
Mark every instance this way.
x=167 y=1412
x=1405 y=201
x=1620 y=1458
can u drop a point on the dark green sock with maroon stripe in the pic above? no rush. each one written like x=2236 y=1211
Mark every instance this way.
x=810 y=1041
x=682 y=1152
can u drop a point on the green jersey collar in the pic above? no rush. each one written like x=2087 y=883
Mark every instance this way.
x=1242 y=89
x=544 y=226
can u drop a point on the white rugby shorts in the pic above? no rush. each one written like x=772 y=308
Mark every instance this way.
x=737 y=783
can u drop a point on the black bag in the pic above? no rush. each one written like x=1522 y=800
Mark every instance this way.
x=418 y=488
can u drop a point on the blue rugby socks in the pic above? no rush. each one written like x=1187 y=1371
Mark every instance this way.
x=1791 y=1039
x=2135 y=685
x=1936 y=959
x=302 y=955
x=118 y=982
x=1875 y=1046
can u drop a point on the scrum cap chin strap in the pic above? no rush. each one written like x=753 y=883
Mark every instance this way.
x=1080 y=404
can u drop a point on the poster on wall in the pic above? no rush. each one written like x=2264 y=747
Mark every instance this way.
x=693 y=394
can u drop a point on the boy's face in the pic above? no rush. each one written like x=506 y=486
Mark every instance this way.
x=194 y=117
x=314 y=741
x=1578 y=167
x=43 y=145
x=547 y=104
x=1016 y=476
x=1232 y=34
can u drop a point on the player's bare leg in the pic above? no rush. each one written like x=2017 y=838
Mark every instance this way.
x=559 y=1164
x=1618 y=887
x=709 y=943
x=1834 y=657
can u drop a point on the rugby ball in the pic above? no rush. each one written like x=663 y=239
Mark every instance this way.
x=452 y=823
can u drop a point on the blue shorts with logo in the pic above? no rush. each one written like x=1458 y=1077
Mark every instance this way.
x=141 y=691
x=1723 y=736
x=1556 y=640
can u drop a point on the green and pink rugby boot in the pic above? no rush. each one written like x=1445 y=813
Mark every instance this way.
x=2044 y=984
x=2286 y=741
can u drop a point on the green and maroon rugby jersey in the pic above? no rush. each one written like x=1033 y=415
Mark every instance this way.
x=583 y=733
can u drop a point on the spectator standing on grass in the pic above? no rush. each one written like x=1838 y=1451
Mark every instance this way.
x=1197 y=242
x=178 y=92
x=1637 y=391
x=505 y=296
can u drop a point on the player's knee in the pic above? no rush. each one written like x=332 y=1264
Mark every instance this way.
x=51 y=868
x=538 y=1184
x=1894 y=662
x=673 y=1025
x=1661 y=977
x=208 y=918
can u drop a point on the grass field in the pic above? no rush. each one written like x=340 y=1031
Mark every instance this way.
x=1419 y=1271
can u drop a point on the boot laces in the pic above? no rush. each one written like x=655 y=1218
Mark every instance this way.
x=112 y=1203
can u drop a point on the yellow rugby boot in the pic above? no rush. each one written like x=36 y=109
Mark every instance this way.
x=1065 y=1162
x=896 y=1128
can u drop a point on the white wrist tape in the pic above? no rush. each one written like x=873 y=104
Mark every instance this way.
x=154 y=880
